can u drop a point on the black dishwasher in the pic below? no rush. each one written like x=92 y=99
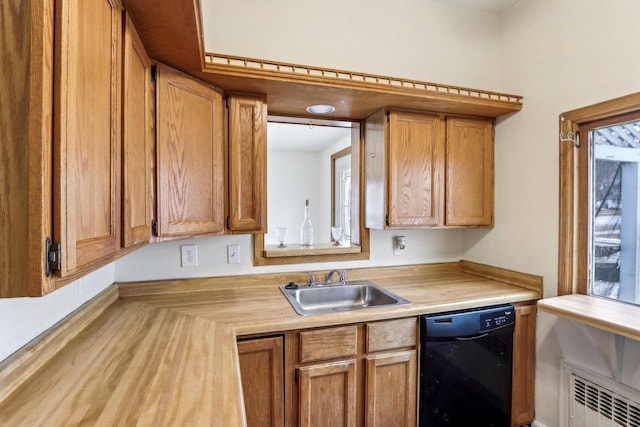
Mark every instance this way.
x=465 y=368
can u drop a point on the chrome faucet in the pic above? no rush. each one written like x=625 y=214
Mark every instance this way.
x=329 y=275
x=312 y=278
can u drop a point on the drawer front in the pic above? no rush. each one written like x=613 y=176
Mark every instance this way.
x=330 y=343
x=391 y=334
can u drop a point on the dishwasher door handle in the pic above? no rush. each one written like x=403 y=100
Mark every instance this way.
x=471 y=338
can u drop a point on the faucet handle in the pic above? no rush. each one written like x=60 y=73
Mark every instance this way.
x=342 y=276
x=312 y=278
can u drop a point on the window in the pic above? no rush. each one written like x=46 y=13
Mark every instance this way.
x=599 y=229
x=615 y=211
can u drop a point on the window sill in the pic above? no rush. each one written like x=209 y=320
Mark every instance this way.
x=275 y=251
x=611 y=316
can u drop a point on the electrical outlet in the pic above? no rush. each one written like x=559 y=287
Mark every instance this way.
x=399 y=245
x=233 y=254
x=189 y=255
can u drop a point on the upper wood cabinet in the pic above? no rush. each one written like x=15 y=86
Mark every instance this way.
x=404 y=159
x=426 y=170
x=26 y=134
x=137 y=139
x=66 y=141
x=469 y=173
x=87 y=133
x=247 y=156
x=189 y=155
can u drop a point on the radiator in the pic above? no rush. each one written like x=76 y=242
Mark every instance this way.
x=592 y=405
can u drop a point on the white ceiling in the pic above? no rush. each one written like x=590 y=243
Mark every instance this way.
x=295 y=137
x=493 y=6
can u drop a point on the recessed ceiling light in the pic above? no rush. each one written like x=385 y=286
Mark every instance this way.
x=321 y=109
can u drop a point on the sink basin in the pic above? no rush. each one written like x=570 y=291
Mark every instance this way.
x=332 y=298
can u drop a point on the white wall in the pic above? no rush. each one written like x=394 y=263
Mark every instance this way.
x=162 y=261
x=292 y=178
x=560 y=55
x=23 y=319
x=415 y=39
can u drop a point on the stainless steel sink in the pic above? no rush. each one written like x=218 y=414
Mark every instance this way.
x=331 y=298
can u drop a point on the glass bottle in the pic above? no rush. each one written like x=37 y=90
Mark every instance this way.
x=306 y=230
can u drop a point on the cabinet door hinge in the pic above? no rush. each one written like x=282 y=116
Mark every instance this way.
x=226 y=101
x=228 y=223
x=386 y=219
x=154 y=73
x=53 y=252
x=154 y=227
x=297 y=375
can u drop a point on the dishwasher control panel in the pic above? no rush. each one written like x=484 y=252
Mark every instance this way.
x=493 y=320
x=467 y=323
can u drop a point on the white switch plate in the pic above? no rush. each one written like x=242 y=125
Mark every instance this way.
x=233 y=254
x=189 y=255
x=399 y=245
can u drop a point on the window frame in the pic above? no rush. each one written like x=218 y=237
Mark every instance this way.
x=574 y=186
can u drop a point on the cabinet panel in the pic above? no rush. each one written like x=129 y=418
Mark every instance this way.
x=329 y=343
x=328 y=394
x=469 y=176
x=375 y=170
x=392 y=389
x=137 y=139
x=87 y=115
x=261 y=365
x=524 y=363
x=189 y=154
x=421 y=172
x=247 y=151
x=26 y=111
x=391 y=334
x=415 y=169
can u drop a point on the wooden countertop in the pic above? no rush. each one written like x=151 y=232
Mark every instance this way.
x=164 y=353
x=608 y=315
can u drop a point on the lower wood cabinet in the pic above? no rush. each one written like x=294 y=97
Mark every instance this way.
x=353 y=375
x=391 y=389
x=363 y=374
x=261 y=364
x=327 y=394
x=524 y=364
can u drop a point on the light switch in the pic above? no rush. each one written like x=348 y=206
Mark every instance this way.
x=233 y=254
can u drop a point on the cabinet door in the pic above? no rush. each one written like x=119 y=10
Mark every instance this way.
x=190 y=164
x=261 y=364
x=137 y=140
x=524 y=364
x=87 y=120
x=328 y=394
x=415 y=173
x=469 y=176
x=391 y=389
x=247 y=164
